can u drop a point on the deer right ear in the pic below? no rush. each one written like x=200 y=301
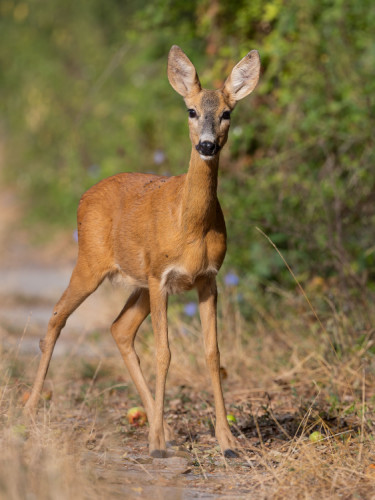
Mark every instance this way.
x=181 y=73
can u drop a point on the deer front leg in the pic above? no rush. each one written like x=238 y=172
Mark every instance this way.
x=207 y=308
x=159 y=303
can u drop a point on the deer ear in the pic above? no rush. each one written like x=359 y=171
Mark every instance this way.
x=244 y=77
x=181 y=73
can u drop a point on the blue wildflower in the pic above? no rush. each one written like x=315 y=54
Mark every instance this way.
x=93 y=171
x=75 y=235
x=159 y=157
x=190 y=309
x=231 y=279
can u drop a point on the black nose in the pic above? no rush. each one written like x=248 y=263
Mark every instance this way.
x=206 y=148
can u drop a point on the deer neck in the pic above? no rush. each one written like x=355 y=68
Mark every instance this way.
x=199 y=197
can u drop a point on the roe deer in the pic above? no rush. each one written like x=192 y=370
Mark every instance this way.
x=162 y=235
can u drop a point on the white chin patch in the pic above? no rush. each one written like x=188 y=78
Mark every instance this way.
x=207 y=158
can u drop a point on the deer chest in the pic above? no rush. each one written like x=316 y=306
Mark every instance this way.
x=201 y=259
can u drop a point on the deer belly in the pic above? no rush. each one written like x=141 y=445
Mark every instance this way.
x=120 y=278
x=177 y=279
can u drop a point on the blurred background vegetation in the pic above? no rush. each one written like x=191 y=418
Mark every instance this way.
x=84 y=95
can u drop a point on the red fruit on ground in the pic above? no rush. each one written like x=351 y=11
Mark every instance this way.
x=137 y=416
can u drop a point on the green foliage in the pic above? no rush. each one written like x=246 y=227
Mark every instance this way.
x=84 y=95
x=313 y=178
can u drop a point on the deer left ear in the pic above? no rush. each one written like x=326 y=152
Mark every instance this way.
x=244 y=77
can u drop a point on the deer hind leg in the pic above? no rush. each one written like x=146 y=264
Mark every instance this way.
x=124 y=331
x=82 y=284
x=207 y=308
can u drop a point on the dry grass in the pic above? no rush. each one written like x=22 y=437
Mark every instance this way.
x=285 y=376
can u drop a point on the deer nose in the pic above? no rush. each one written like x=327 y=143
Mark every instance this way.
x=206 y=148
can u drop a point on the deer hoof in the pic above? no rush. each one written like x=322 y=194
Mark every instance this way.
x=159 y=454
x=230 y=454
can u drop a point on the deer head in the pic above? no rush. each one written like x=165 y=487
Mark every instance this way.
x=210 y=110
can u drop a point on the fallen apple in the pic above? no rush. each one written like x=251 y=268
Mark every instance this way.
x=25 y=397
x=137 y=416
x=316 y=436
x=46 y=395
x=231 y=419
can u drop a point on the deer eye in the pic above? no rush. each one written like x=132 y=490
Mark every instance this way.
x=225 y=115
x=192 y=113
